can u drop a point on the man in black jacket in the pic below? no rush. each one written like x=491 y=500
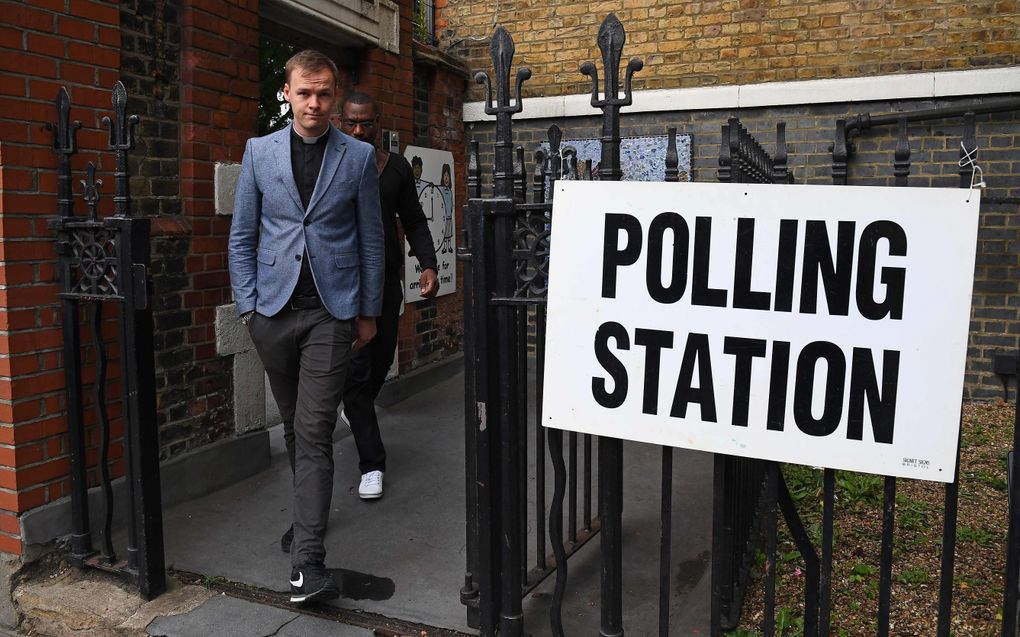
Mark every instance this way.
x=370 y=364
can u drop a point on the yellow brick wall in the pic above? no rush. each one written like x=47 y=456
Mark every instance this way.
x=688 y=44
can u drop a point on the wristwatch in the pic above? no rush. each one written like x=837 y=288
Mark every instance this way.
x=247 y=316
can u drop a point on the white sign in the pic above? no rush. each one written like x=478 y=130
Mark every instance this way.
x=820 y=325
x=433 y=178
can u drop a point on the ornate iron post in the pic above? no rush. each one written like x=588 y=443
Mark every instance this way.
x=611 y=39
x=502 y=484
x=145 y=546
x=107 y=260
x=65 y=145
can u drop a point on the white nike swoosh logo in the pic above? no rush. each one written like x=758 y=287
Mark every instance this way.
x=299 y=581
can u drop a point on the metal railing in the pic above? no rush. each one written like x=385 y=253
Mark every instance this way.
x=505 y=250
x=741 y=485
x=106 y=260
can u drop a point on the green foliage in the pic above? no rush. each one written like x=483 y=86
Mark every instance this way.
x=789 y=623
x=914 y=577
x=804 y=483
x=976 y=535
x=789 y=556
x=861 y=573
x=993 y=480
x=274 y=112
x=912 y=515
x=859 y=489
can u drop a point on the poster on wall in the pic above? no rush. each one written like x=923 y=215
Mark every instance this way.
x=433 y=178
x=820 y=325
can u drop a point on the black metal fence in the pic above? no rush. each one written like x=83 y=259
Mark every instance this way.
x=505 y=249
x=740 y=485
x=106 y=260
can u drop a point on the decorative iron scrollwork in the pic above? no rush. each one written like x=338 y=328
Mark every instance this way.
x=93 y=261
x=531 y=255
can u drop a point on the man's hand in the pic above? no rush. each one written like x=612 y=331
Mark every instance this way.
x=428 y=283
x=364 y=331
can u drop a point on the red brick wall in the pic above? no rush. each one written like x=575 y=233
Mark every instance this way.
x=82 y=45
x=219 y=94
x=429 y=330
x=433 y=330
x=43 y=44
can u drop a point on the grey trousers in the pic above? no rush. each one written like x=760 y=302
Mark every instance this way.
x=305 y=353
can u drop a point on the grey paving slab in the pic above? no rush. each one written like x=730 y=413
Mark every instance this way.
x=414 y=536
x=305 y=626
x=690 y=563
x=404 y=556
x=224 y=617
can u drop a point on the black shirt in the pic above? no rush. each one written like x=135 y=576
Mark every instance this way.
x=399 y=197
x=305 y=162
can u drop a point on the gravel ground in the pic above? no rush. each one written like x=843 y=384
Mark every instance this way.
x=980 y=549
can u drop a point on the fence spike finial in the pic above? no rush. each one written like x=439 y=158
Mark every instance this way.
x=90 y=190
x=122 y=139
x=65 y=137
x=502 y=50
x=65 y=144
x=611 y=39
x=122 y=126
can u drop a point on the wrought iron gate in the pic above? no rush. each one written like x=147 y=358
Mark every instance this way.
x=103 y=260
x=505 y=250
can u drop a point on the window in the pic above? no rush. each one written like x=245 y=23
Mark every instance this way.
x=424 y=21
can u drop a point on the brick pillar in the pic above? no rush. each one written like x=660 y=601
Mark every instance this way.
x=428 y=330
x=42 y=46
x=219 y=103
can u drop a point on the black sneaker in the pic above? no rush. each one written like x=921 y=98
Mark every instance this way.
x=312 y=582
x=287 y=539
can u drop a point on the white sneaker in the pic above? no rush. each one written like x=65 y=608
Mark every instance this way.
x=371 y=485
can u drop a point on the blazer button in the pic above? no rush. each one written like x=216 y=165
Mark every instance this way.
x=307 y=222
x=297 y=257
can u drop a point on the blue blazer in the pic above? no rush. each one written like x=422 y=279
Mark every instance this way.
x=341 y=229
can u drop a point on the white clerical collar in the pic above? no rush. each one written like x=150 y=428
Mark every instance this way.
x=310 y=140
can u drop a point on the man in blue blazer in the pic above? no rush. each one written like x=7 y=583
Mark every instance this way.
x=306 y=259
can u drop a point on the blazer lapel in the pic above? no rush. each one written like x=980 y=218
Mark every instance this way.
x=335 y=148
x=284 y=167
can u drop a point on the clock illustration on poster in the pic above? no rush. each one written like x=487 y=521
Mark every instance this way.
x=437 y=203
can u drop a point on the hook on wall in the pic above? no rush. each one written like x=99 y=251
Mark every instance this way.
x=977 y=178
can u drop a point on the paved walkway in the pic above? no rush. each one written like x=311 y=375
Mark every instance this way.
x=403 y=557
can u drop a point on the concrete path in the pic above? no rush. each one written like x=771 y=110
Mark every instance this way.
x=229 y=617
x=403 y=557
